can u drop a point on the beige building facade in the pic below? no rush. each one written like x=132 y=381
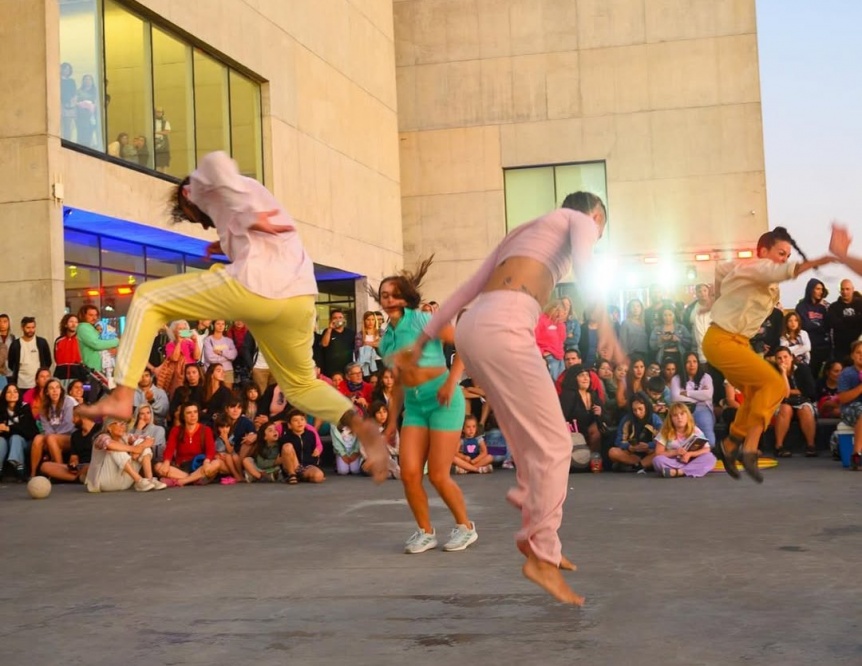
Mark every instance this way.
x=389 y=130
x=664 y=93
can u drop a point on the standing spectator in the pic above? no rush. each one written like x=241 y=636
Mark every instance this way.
x=550 y=335
x=142 y=150
x=814 y=316
x=219 y=348
x=698 y=318
x=27 y=354
x=670 y=339
x=573 y=326
x=90 y=342
x=6 y=338
x=246 y=349
x=68 y=98
x=633 y=336
x=850 y=397
x=367 y=341
x=796 y=339
x=337 y=344
x=186 y=340
x=845 y=315
x=67 y=354
x=148 y=393
x=162 y=132
x=589 y=343
x=203 y=329
x=86 y=114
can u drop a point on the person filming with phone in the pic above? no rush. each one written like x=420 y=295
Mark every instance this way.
x=337 y=344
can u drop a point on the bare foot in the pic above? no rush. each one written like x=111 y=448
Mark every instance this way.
x=549 y=578
x=565 y=562
x=118 y=403
x=376 y=450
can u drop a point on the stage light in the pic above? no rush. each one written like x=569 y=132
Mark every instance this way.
x=702 y=257
x=745 y=254
x=124 y=291
x=650 y=260
x=93 y=292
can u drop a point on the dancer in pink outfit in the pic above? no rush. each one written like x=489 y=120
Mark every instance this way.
x=496 y=339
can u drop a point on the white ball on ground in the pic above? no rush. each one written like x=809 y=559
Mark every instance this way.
x=39 y=487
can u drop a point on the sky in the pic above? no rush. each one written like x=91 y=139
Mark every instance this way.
x=811 y=88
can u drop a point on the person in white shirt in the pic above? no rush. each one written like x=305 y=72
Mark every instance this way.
x=269 y=284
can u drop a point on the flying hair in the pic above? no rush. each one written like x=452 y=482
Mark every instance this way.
x=407 y=284
x=178 y=199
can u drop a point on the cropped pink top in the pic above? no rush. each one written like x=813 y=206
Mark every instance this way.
x=560 y=239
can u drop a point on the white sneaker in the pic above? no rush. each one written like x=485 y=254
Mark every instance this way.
x=158 y=485
x=461 y=537
x=420 y=542
x=144 y=485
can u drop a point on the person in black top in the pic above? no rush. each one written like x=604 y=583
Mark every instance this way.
x=337 y=344
x=301 y=450
x=845 y=317
x=80 y=452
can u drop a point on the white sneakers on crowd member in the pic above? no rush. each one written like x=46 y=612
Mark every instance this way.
x=144 y=485
x=157 y=484
x=461 y=537
x=420 y=542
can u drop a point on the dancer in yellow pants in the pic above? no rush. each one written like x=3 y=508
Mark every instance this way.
x=747 y=292
x=269 y=284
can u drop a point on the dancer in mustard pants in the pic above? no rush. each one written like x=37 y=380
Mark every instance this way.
x=269 y=284
x=746 y=293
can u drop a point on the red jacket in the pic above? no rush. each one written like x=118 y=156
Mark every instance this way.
x=365 y=392
x=66 y=350
x=191 y=446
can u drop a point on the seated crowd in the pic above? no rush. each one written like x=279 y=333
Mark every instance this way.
x=208 y=409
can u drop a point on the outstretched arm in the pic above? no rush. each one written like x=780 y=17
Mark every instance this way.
x=839 y=245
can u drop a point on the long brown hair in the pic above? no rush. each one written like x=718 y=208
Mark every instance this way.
x=407 y=284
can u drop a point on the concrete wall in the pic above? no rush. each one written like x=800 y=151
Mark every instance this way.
x=31 y=267
x=329 y=128
x=666 y=91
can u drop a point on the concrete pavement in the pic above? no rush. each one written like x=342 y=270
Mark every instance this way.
x=684 y=571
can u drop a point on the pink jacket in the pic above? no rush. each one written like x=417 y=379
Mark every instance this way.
x=550 y=336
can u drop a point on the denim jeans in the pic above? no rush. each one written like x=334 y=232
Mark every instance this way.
x=704 y=418
x=15 y=447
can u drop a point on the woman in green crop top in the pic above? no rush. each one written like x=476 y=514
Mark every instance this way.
x=433 y=410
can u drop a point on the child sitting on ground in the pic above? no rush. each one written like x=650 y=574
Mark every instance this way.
x=265 y=462
x=681 y=448
x=300 y=453
x=380 y=413
x=348 y=458
x=473 y=455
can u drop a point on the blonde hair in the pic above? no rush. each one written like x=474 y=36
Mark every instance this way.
x=668 y=431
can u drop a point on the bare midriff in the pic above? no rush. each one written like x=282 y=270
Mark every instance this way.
x=412 y=375
x=523 y=274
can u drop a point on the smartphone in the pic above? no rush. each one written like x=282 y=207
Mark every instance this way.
x=87 y=387
x=186 y=333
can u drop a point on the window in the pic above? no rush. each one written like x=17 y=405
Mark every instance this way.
x=212 y=110
x=81 y=80
x=174 y=117
x=533 y=191
x=246 y=141
x=153 y=100
x=127 y=76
